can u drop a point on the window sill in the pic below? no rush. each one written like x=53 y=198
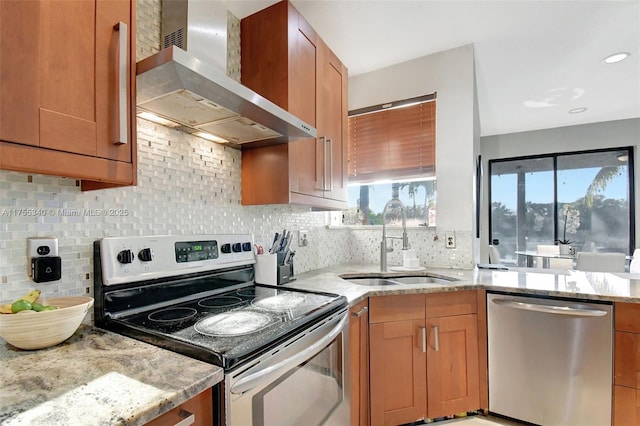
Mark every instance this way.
x=370 y=227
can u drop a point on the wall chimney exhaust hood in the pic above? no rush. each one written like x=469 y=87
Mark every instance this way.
x=191 y=87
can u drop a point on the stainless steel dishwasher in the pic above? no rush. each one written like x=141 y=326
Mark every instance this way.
x=550 y=360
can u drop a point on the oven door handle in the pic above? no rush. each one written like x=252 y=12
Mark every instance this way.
x=249 y=382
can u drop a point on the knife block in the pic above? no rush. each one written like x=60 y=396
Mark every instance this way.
x=285 y=273
x=284 y=270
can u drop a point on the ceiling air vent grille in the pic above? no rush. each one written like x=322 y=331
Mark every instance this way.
x=176 y=38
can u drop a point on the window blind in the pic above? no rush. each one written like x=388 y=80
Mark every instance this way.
x=396 y=143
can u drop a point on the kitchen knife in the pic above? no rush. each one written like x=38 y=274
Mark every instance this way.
x=289 y=238
x=275 y=244
x=283 y=241
x=289 y=258
x=278 y=243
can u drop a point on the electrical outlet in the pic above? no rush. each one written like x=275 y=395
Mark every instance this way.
x=303 y=238
x=40 y=247
x=450 y=240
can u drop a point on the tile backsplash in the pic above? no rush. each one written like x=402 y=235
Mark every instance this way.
x=186 y=185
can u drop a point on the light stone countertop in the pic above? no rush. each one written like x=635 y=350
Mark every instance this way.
x=620 y=287
x=97 y=377
x=102 y=378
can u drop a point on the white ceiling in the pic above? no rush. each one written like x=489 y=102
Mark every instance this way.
x=545 y=54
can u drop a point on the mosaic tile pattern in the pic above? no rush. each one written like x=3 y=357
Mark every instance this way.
x=428 y=244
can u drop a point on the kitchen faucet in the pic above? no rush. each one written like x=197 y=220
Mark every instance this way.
x=394 y=202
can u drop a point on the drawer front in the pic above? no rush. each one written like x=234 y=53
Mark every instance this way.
x=451 y=303
x=627 y=359
x=627 y=317
x=396 y=308
x=199 y=411
x=626 y=406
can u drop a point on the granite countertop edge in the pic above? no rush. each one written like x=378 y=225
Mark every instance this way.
x=100 y=377
x=591 y=286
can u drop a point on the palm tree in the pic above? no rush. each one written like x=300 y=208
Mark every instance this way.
x=600 y=181
x=364 y=204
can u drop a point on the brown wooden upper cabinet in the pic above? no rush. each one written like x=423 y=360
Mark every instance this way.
x=423 y=356
x=68 y=89
x=284 y=60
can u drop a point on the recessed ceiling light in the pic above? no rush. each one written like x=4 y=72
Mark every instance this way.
x=616 y=57
x=577 y=110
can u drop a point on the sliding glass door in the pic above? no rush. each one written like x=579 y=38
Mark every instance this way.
x=585 y=198
x=593 y=201
x=521 y=205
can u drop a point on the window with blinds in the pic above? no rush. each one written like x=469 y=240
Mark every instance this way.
x=397 y=142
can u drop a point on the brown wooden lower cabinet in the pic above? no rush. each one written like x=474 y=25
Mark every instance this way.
x=200 y=407
x=626 y=390
x=359 y=362
x=423 y=356
x=626 y=406
x=452 y=366
x=398 y=372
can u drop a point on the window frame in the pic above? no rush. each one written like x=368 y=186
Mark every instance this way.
x=554 y=157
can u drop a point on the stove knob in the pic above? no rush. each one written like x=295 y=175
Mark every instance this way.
x=125 y=256
x=226 y=248
x=237 y=247
x=246 y=246
x=146 y=255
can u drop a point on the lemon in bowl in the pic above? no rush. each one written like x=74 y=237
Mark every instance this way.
x=30 y=329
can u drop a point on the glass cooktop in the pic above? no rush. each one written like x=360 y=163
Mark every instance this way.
x=229 y=327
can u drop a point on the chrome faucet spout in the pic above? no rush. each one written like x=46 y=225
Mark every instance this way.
x=394 y=202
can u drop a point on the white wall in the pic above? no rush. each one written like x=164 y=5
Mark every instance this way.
x=451 y=75
x=610 y=134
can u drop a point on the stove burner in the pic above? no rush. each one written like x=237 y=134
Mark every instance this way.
x=232 y=323
x=172 y=316
x=248 y=291
x=281 y=302
x=220 y=302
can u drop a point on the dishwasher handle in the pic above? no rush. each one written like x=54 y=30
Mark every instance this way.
x=558 y=310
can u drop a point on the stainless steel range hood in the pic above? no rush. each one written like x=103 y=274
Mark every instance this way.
x=191 y=87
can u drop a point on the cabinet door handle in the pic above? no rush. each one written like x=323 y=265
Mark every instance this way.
x=435 y=336
x=121 y=91
x=321 y=185
x=329 y=159
x=360 y=313
x=187 y=418
x=423 y=330
x=324 y=163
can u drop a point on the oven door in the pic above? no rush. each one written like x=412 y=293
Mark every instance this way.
x=300 y=382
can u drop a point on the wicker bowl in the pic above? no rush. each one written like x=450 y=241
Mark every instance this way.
x=47 y=328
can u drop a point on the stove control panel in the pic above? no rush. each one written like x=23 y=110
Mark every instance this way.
x=130 y=259
x=193 y=251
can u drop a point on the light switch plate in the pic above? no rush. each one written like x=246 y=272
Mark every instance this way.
x=40 y=247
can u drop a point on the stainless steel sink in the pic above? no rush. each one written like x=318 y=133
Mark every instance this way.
x=384 y=281
x=372 y=281
x=422 y=280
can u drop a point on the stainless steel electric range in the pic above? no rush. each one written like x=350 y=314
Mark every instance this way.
x=196 y=295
